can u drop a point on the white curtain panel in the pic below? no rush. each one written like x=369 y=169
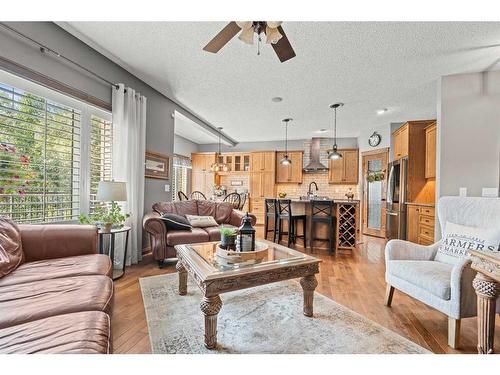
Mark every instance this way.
x=129 y=148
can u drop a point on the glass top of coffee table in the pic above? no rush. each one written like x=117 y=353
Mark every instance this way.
x=276 y=255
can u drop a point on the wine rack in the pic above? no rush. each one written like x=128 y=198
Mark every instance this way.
x=347 y=213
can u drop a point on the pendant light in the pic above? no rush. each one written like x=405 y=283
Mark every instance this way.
x=217 y=166
x=286 y=160
x=334 y=154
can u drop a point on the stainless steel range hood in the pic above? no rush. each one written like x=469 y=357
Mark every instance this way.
x=314 y=163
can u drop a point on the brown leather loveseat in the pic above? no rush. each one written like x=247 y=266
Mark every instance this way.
x=58 y=296
x=163 y=241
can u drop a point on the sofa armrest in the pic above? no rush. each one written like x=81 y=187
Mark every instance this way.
x=237 y=217
x=405 y=250
x=49 y=241
x=463 y=295
x=157 y=231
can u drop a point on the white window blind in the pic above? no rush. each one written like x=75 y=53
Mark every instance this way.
x=101 y=143
x=39 y=158
x=180 y=176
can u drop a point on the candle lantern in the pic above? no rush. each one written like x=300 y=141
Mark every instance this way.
x=246 y=240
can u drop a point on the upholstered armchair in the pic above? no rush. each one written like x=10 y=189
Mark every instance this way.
x=444 y=285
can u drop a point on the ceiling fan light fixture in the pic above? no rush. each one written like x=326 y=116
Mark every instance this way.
x=246 y=35
x=272 y=35
x=244 y=24
x=274 y=24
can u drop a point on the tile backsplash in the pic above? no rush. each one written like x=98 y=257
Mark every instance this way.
x=324 y=188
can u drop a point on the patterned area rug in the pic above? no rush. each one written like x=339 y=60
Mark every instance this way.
x=265 y=319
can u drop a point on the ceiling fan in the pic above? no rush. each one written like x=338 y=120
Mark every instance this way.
x=272 y=29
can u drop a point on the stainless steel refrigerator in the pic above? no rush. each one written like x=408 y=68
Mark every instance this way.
x=396 y=200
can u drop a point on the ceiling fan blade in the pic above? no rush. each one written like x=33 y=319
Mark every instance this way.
x=224 y=36
x=283 y=48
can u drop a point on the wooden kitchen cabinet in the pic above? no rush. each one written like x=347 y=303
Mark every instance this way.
x=430 y=151
x=345 y=170
x=262 y=181
x=400 y=142
x=291 y=173
x=262 y=161
x=420 y=224
x=202 y=178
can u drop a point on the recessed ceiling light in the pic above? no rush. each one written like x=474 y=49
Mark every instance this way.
x=277 y=99
x=382 y=111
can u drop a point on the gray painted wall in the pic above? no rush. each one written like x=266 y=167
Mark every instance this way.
x=295 y=144
x=183 y=146
x=468 y=137
x=160 y=124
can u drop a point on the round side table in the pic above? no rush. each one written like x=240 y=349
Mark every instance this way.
x=116 y=273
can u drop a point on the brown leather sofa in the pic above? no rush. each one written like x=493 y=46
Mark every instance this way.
x=163 y=241
x=59 y=299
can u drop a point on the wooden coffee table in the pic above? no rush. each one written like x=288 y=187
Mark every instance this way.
x=200 y=261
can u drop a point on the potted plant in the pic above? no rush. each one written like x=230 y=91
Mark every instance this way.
x=106 y=217
x=227 y=238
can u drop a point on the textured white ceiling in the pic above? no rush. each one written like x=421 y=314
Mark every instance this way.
x=367 y=66
x=189 y=129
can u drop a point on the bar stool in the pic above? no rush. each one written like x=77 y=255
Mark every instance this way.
x=285 y=214
x=271 y=213
x=323 y=212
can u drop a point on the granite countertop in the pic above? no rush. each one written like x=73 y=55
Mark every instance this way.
x=420 y=204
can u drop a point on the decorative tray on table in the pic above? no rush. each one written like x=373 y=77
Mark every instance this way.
x=231 y=258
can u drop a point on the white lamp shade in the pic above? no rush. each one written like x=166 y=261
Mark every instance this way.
x=108 y=191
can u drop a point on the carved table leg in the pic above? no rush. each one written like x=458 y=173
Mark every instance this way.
x=210 y=306
x=487 y=291
x=183 y=276
x=308 y=283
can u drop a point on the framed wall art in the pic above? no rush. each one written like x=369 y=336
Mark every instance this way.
x=157 y=165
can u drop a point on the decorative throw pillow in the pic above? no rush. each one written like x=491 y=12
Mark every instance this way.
x=458 y=240
x=11 y=251
x=201 y=221
x=175 y=222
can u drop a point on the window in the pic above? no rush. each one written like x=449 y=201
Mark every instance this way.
x=44 y=161
x=101 y=143
x=180 y=176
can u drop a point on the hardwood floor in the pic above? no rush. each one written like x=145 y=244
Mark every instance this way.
x=354 y=280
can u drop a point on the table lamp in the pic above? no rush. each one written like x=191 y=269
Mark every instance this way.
x=111 y=191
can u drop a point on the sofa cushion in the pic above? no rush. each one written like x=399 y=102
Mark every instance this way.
x=179 y=237
x=458 y=240
x=186 y=207
x=432 y=276
x=11 y=251
x=214 y=232
x=207 y=208
x=82 y=265
x=201 y=221
x=164 y=208
x=21 y=303
x=78 y=333
x=223 y=212
x=175 y=222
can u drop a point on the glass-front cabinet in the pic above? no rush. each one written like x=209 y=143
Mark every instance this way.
x=236 y=162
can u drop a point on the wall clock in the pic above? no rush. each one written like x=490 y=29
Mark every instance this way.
x=374 y=139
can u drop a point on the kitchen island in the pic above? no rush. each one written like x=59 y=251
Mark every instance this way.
x=346 y=228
